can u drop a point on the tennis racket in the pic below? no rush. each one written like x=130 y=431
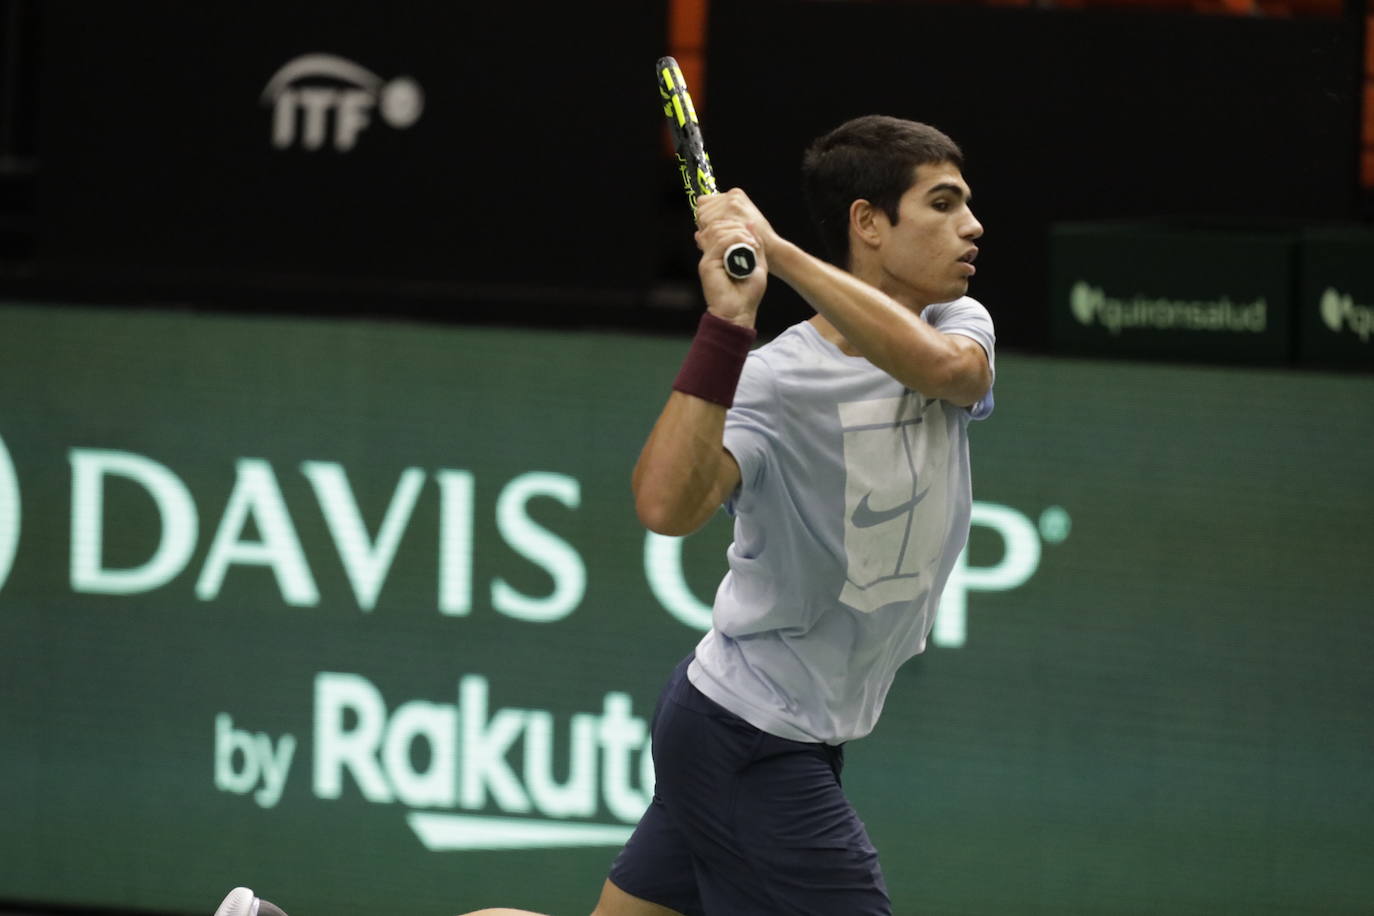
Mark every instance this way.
x=692 y=161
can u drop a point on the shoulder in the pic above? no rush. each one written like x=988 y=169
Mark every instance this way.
x=795 y=342
x=966 y=317
x=782 y=357
x=797 y=365
x=965 y=308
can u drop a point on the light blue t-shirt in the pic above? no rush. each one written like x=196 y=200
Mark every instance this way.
x=852 y=508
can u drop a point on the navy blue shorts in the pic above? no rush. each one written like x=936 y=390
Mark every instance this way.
x=743 y=822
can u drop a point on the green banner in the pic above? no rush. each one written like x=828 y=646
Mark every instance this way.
x=1144 y=291
x=360 y=615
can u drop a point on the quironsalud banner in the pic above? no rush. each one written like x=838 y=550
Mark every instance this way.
x=1128 y=290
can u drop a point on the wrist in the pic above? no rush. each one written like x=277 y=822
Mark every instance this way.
x=745 y=320
x=782 y=258
x=713 y=365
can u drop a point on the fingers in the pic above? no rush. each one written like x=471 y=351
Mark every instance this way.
x=732 y=204
x=714 y=238
x=733 y=209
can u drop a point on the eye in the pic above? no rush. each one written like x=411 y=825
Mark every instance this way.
x=942 y=204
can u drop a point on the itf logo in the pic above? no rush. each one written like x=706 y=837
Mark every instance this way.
x=9 y=513
x=315 y=92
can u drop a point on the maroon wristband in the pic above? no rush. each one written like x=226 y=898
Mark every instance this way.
x=712 y=367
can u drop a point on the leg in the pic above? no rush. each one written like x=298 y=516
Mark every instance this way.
x=769 y=828
x=655 y=862
x=615 y=902
x=801 y=835
x=654 y=875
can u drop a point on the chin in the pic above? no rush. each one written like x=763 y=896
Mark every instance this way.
x=931 y=295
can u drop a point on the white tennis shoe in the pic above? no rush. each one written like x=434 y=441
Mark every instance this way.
x=243 y=902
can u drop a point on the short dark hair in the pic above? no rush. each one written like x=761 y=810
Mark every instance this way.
x=874 y=158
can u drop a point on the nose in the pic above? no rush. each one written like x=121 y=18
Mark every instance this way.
x=972 y=229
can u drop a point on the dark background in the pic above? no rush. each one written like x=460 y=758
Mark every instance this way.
x=536 y=188
x=1062 y=116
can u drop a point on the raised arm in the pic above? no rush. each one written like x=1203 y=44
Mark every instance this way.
x=684 y=472
x=928 y=260
x=889 y=335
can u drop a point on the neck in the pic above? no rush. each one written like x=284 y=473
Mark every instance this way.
x=874 y=276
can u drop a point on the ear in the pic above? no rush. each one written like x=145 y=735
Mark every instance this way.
x=863 y=224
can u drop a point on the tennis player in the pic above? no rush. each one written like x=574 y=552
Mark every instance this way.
x=841 y=450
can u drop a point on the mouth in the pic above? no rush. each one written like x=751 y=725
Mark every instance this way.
x=967 y=259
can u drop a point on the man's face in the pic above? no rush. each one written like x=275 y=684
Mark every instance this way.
x=926 y=256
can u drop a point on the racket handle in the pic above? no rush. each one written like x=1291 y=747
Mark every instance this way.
x=740 y=260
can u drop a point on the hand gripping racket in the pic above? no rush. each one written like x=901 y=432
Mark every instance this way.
x=692 y=161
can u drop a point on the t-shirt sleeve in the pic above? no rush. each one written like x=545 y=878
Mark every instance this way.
x=969 y=318
x=751 y=425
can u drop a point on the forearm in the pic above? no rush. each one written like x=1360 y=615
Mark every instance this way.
x=884 y=331
x=683 y=473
